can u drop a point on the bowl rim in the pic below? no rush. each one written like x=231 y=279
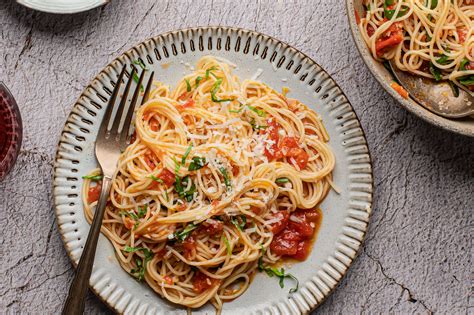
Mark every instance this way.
x=73 y=8
x=409 y=104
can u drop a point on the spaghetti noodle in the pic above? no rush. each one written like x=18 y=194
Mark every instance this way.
x=222 y=179
x=429 y=38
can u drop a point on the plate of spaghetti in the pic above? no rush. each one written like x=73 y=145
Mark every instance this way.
x=246 y=186
x=432 y=39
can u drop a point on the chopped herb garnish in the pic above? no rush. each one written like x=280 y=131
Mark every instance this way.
x=185 y=233
x=227 y=245
x=159 y=180
x=467 y=80
x=140 y=63
x=141 y=264
x=208 y=71
x=198 y=80
x=130 y=214
x=92 y=177
x=185 y=156
x=434 y=3
x=454 y=88
x=443 y=60
x=255 y=126
x=240 y=225
x=188 y=195
x=226 y=178
x=214 y=90
x=237 y=111
x=137 y=79
x=188 y=85
x=278 y=273
x=197 y=163
x=390 y=13
x=435 y=72
x=463 y=64
x=259 y=112
x=282 y=180
x=142 y=211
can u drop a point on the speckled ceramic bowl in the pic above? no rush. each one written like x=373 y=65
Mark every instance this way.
x=62 y=6
x=463 y=126
x=345 y=215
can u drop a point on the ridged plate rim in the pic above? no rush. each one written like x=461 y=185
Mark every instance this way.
x=280 y=55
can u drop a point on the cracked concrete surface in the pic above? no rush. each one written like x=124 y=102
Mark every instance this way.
x=418 y=253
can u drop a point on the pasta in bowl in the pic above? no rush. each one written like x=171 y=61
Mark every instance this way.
x=222 y=179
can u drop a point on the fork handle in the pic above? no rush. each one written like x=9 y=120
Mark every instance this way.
x=75 y=300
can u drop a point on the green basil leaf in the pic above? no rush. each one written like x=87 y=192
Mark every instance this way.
x=282 y=180
x=185 y=232
x=157 y=179
x=462 y=65
x=188 y=85
x=227 y=245
x=435 y=72
x=198 y=80
x=259 y=112
x=197 y=163
x=227 y=182
x=185 y=156
x=93 y=177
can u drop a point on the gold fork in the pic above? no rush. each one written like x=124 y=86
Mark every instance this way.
x=108 y=147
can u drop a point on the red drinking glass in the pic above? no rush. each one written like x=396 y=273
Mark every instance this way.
x=10 y=131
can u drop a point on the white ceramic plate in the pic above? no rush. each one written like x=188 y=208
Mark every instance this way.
x=62 y=6
x=345 y=216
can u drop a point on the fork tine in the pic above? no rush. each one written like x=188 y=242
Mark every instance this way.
x=110 y=105
x=148 y=87
x=123 y=101
x=131 y=109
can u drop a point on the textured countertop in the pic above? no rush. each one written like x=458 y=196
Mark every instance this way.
x=418 y=253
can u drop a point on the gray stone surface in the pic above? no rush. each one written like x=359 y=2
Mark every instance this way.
x=418 y=252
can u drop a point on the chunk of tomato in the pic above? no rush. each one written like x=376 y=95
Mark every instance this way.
x=302 y=228
x=94 y=192
x=167 y=177
x=282 y=247
x=189 y=247
x=302 y=250
x=272 y=151
x=282 y=217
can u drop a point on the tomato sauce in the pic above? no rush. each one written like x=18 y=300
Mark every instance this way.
x=189 y=247
x=295 y=233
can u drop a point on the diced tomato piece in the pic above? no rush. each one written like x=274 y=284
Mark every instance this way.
x=129 y=223
x=255 y=210
x=189 y=246
x=181 y=206
x=94 y=192
x=168 y=280
x=148 y=157
x=370 y=30
x=273 y=152
x=288 y=143
x=357 y=16
x=399 y=89
x=201 y=282
x=290 y=235
x=462 y=33
x=299 y=156
x=302 y=250
x=167 y=177
x=282 y=247
x=235 y=170
x=283 y=216
x=392 y=37
x=302 y=228
x=183 y=96
x=212 y=227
